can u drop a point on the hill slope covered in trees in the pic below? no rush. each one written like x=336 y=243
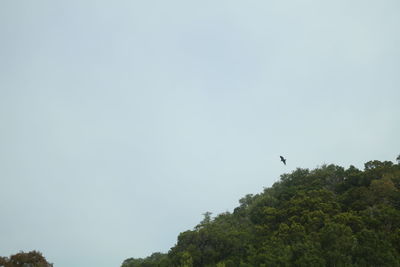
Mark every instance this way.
x=329 y=216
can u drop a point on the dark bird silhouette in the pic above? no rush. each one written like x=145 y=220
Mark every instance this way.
x=283 y=160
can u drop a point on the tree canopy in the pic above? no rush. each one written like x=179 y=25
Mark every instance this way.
x=25 y=259
x=329 y=216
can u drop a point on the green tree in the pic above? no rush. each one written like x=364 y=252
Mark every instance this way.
x=329 y=216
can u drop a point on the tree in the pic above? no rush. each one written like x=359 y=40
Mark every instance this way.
x=25 y=259
x=329 y=216
x=206 y=220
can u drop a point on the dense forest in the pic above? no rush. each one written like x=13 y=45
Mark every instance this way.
x=329 y=216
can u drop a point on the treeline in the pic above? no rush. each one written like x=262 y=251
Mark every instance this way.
x=329 y=216
x=25 y=259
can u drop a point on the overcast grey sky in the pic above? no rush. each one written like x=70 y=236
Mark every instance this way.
x=121 y=122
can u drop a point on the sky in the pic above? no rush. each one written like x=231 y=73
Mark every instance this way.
x=122 y=122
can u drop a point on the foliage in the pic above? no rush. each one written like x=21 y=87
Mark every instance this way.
x=25 y=259
x=155 y=260
x=329 y=216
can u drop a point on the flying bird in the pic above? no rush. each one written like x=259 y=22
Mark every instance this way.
x=283 y=160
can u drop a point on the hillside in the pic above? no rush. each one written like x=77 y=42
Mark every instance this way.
x=329 y=216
